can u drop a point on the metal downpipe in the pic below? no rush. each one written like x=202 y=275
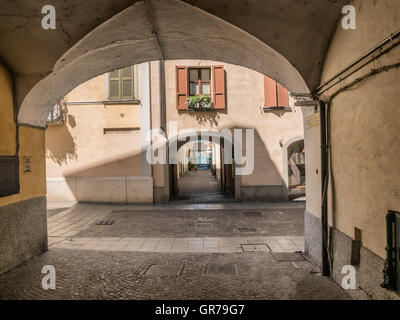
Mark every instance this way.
x=326 y=271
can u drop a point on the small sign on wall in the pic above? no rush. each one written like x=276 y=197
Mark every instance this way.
x=313 y=120
x=27 y=164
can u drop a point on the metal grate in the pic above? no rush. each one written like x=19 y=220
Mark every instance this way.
x=245 y=230
x=213 y=268
x=254 y=247
x=164 y=270
x=104 y=223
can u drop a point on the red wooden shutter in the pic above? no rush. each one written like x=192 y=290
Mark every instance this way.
x=270 y=99
x=218 y=87
x=283 y=96
x=181 y=87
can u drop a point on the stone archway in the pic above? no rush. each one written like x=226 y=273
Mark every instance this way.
x=128 y=38
x=175 y=143
x=285 y=153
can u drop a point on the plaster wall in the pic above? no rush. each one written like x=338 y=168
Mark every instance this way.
x=365 y=148
x=79 y=151
x=312 y=145
x=80 y=148
x=245 y=100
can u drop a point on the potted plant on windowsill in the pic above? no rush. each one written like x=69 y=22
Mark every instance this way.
x=199 y=102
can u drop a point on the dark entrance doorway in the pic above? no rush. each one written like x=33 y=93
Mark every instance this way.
x=200 y=175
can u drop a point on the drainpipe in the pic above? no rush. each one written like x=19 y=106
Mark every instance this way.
x=324 y=190
x=389 y=271
x=378 y=49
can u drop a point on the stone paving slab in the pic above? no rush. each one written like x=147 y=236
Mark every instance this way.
x=194 y=245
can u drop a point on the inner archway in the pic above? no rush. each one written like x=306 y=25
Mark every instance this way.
x=294 y=167
x=200 y=171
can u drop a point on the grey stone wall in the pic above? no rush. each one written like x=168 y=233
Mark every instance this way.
x=23 y=232
x=160 y=195
x=369 y=272
x=312 y=232
x=262 y=193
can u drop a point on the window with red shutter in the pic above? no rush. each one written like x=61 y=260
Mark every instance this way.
x=275 y=95
x=196 y=81
x=218 y=87
x=270 y=100
x=200 y=81
x=181 y=87
x=283 y=96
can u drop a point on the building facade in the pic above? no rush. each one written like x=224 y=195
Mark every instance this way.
x=96 y=138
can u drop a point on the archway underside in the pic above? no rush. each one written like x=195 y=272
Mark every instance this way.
x=155 y=30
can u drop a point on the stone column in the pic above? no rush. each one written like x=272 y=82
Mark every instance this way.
x=145 y=115
x=218 y=161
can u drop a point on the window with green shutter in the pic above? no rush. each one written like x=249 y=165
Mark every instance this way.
x=121 y=84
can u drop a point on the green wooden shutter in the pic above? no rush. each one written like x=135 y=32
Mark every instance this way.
x=127 y=83
x=121 y=84
x=114 y=88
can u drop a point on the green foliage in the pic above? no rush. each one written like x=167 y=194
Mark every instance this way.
x=199 y=101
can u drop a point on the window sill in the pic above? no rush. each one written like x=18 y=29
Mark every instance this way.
x=122 y=102
x=106 y=102
x=200 y=109
x=272 y=109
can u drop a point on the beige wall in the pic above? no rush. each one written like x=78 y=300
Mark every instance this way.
x=31 y=144
x=312 y=145
x=245 y=99
x=84 y=163
x=365 y=130
x=79 y=147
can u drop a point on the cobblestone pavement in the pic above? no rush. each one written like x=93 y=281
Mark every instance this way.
x=82 y=274
x=82 y=221
x=210 y=223
x=164 y=258
x=199 y=181
x=203 y=197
